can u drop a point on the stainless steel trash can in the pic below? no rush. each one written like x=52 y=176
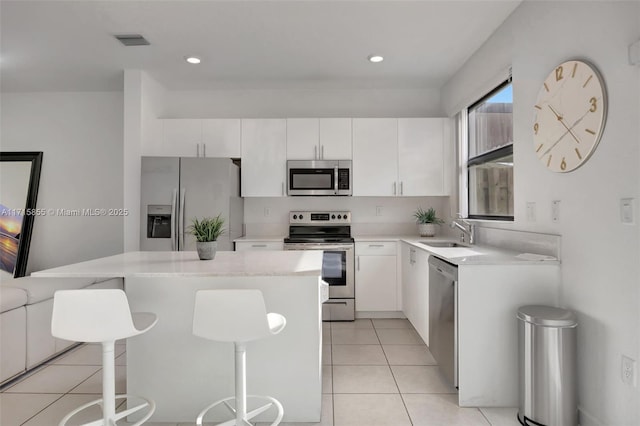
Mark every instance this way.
x=547 y=366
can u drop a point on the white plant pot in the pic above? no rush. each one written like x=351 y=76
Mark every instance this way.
x=207 y=249
x=427 y=229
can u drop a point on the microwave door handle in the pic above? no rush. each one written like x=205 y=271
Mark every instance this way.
x=335 y=179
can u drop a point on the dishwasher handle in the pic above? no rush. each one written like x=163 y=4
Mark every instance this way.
x=443 y=267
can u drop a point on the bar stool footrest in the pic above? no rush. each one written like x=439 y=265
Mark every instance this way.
x=249 y=415
x=119 y=415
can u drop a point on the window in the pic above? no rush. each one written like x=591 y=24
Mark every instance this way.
x=490 y=155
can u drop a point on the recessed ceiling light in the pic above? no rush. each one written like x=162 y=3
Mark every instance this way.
x=192 y=59
x=375 y=58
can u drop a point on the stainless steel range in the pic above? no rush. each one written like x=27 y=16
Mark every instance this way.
x=329 y=231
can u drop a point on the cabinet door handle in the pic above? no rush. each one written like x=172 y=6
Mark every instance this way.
x=358 y=259
x=401 y=188
x=322 y=152
x=394 y=188
x=258 y=245
x=204 y=149
x=315 y=153
x=376 y=245
x=283 y=189
x=197 y=150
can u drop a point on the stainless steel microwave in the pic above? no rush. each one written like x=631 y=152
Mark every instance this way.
x=319 y=177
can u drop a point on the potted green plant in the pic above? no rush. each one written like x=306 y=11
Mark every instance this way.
x=207 y=230
x=427 y=221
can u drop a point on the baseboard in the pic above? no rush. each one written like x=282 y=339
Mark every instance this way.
x=586 y=419
x=380 y=314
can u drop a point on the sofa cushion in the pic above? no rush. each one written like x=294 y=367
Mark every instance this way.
x=41 y=288
x=11 y=298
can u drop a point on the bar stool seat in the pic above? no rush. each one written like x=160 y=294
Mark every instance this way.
x=101 y=316
x=237 y=316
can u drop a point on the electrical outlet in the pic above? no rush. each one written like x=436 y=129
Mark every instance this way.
x=531 y=211
x=379 y=210
x=555 y=211
x=628 y=371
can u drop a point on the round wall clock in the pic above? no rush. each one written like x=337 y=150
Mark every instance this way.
x=570 y=114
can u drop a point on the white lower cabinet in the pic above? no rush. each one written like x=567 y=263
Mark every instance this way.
x=376 y=276
x=259 y=245
x=415 y=288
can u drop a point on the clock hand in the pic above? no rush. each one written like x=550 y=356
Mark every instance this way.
x=564 y=134
x=563 y=123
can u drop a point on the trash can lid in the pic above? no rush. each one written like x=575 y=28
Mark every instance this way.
x=547 y=316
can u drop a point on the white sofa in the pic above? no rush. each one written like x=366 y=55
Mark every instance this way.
x=26 y=305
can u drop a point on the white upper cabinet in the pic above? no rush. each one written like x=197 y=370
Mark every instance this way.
x=264 y=155
x=221 y=138
x=421 y=156
x=185 y=137
x=375 y=156
x=335 y=139
x=318 y=139
x=399 y=157
x=181 y=137
x=303 y=138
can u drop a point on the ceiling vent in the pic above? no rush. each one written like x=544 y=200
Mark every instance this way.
x=132 y=40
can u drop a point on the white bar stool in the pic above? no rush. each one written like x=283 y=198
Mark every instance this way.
x=100 y=316
x=237 y=316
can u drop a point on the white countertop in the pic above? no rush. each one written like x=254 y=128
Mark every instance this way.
x=480 y=255
x=470 y=255
x=187 y=264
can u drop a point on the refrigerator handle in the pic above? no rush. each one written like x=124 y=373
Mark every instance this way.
x=174 y=205
x=181 y=221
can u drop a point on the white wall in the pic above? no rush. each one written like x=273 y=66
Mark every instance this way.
x=277 y=103
x=81 y=137
x=600 y=268
x=143 y=103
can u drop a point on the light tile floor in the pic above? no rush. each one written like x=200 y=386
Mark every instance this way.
x=377 y=372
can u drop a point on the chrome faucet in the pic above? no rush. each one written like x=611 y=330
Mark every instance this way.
x=467 y=228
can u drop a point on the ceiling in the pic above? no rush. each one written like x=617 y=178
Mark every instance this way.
x=69 y=45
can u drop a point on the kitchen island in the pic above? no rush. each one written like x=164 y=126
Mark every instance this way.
x=183 y=373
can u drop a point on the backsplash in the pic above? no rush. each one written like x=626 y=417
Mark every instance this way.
x=522 y=241
x=267 y=216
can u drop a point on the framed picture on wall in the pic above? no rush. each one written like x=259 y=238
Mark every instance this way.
x=19 y=180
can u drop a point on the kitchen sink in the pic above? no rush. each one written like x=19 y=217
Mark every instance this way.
x=442 y=244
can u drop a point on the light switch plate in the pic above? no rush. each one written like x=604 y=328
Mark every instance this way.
x=531 y=211
x=555 y=211
x=627 y=211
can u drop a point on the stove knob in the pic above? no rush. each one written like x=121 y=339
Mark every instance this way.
x=300 y=217
x=295 y=216
x=344 y=217
x=339 y=217
x=333 y=216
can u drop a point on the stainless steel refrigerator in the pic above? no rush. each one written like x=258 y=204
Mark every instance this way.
x=175 y=190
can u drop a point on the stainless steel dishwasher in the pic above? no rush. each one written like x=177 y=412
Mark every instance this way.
x=443 y=316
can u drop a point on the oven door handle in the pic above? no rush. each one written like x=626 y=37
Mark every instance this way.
x=335 y=179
